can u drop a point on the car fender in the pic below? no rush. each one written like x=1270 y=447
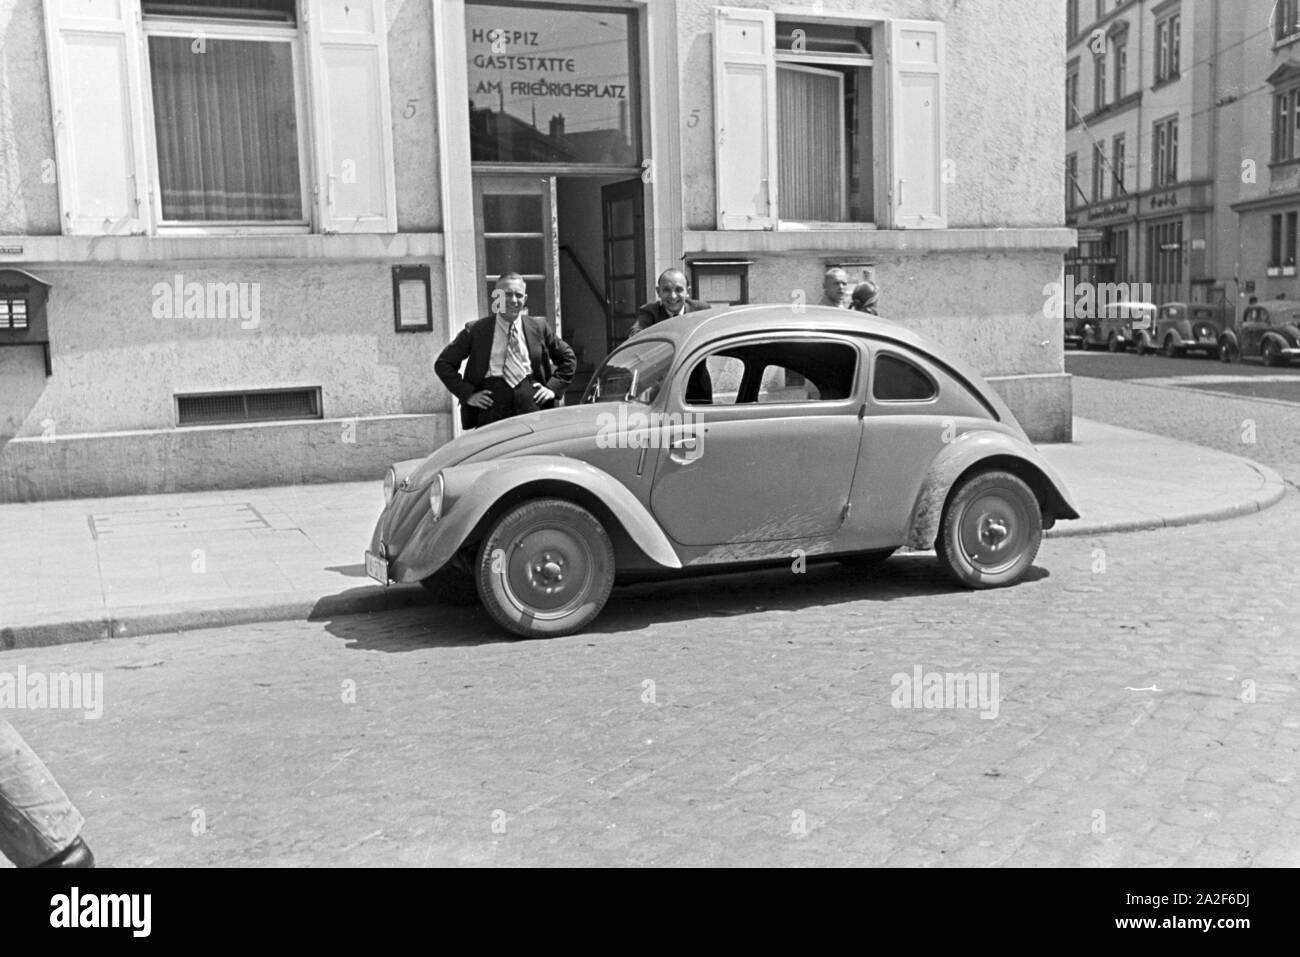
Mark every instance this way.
x=1229 y=336
x=1271 y=334
x=473 y=489
x=999 y=451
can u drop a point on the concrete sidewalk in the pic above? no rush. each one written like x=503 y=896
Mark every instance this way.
x=78 y=570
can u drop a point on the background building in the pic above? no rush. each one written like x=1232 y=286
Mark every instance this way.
x=1183 y=146
x=240 y=230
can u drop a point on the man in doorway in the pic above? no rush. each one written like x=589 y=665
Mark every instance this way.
x=836 y=289
x=673 y=301
x=515 y=363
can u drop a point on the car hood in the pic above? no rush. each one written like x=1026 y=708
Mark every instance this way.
x=521 y=435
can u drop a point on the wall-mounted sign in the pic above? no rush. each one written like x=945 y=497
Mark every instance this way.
x=1163 y=201
x=412 y=299
x=552 y=85
x=1121 y=207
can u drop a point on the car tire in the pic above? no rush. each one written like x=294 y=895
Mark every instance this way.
x=990 y=531
x=866 y=561
x=1113 y=344
x=1228 y=351
x=451 y=586
x=545 y=569
x=1170 y=349
x=1271 y=355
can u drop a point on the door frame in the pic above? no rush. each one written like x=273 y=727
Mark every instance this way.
x=521 y=185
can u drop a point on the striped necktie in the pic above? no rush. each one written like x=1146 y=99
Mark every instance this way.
x=517 y=368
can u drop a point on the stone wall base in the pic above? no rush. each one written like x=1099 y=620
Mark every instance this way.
x=214 y=457
x=1043 y=403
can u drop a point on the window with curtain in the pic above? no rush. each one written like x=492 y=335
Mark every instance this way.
x=225 y=114
x=823 y=122
x=810 y=138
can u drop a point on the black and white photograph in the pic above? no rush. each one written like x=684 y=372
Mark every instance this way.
x=651 y=434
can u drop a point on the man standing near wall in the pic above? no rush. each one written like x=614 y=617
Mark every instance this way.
x=672 y=301
x=515 y=363
x=835 y=288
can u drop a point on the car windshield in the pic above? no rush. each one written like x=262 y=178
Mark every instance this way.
x=633 y=373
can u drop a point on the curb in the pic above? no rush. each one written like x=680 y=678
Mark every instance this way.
x=1273 y=492
x=134 y=622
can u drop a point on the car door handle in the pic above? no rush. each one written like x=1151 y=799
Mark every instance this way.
x=688 y=444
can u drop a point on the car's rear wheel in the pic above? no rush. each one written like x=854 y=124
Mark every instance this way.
x=1228 y=351
x=545 y=569
x=990 y=530
x=1271 y=354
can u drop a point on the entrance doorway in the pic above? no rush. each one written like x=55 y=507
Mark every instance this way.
x=579 y=241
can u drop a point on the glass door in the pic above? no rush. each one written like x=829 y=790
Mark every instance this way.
x=515 y=224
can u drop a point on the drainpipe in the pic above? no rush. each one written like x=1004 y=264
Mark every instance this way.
x=1139 y=248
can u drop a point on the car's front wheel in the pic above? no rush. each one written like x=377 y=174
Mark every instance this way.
x=1228 y=351
x=545 y=569
x=1271 y=354
x=990 y=531
x=1114 y=344
x=1171 y=349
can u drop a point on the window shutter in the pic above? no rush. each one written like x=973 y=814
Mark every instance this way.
x=348 y=53
x=94 y=57
x=917 y=192
x=744 y=121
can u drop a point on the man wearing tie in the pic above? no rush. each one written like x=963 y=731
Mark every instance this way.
x=516 y=364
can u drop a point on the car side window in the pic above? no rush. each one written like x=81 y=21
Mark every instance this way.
x=784 y=385
x=773 y=372
x=898 y=380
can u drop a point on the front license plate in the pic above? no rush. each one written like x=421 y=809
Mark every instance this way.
x=377 y=568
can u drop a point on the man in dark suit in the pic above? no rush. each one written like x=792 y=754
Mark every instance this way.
x=516 y=364
x=672 y=301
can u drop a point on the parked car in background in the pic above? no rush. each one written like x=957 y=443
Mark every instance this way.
x=1269 y=331
x=1114 y=325
x=1181 y=327
x=1073 y=337
x=817 y=433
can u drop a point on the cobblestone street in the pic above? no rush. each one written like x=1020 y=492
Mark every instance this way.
x=1147 y=715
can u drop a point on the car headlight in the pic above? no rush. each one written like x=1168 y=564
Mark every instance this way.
x=435 y=497
x=390 y=485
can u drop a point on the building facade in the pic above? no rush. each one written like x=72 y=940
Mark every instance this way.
x=1183 y=146
x=239 y=231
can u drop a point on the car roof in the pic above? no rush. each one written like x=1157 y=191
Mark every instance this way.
x=694 y=329
x=1278 y=304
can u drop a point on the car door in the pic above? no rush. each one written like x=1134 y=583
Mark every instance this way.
x=779 y=433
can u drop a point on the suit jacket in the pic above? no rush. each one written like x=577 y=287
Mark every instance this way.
x=552 y=360
x=653 y=312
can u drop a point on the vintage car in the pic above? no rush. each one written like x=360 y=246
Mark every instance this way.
x=1268 y=331
x=1115 y=324
x=1180 y=328
x=816 y=433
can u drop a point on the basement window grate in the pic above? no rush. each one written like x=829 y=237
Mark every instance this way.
x=262 y=405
